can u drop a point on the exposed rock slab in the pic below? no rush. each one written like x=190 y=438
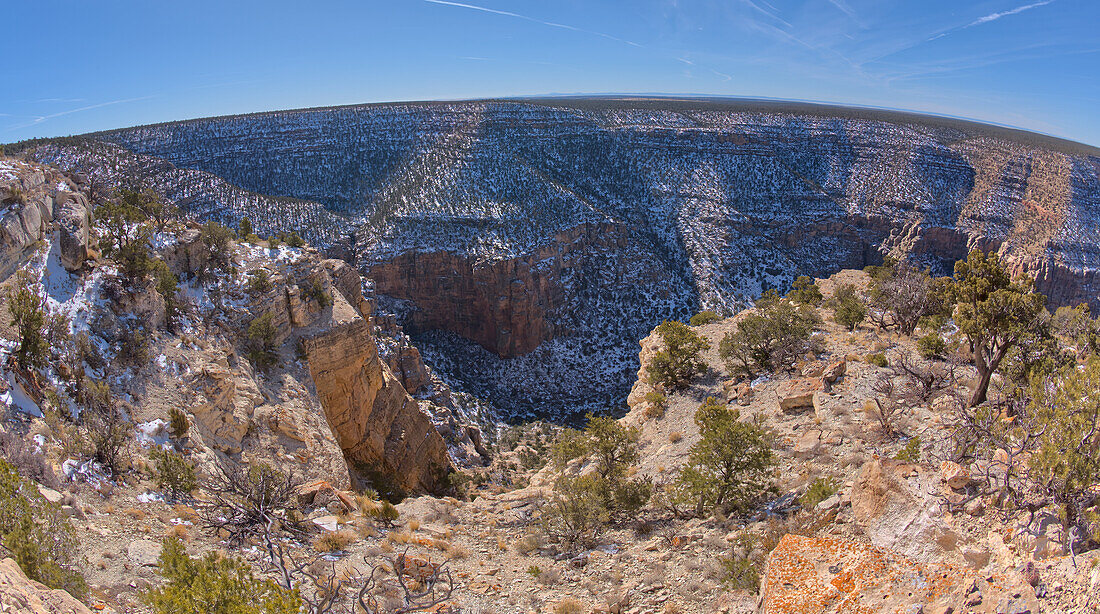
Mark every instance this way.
x=808 y=575
x=892 y=503
x=797 y=395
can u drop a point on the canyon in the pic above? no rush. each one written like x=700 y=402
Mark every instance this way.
x=528 y=244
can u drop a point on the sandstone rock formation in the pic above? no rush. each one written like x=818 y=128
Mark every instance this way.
x=74 y=222
x=379 y=426
x=21 y=594
x=34 y=196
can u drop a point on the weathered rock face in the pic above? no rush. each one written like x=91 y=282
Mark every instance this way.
x=33 y=196
x=806 y=575
x=74 y=223
x=893 y=504
x=379 y=426
x=21 y=594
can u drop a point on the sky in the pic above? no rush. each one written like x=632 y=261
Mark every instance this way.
x=83 y=65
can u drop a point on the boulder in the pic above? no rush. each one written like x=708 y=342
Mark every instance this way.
x=811 y=575
x=892 y=503
x=321 y=494
x=797 y=395
x=808 y=444
x=834 y=370
x=954 y=474
x=18 y=593
x=187 y=256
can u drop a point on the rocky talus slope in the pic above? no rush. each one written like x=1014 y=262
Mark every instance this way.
x=564 y=230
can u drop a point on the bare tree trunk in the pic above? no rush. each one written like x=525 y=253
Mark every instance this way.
x=985 y=374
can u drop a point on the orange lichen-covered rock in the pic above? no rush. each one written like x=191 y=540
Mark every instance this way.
x=810 y=575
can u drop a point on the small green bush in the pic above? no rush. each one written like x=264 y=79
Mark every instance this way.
x=178 y=423
x=293 y=240
x=38 y=536
x=819 y=490
x=931 y=345
x=218 y=242
x=706 y=316
x=215 y=584
x=911 y=452
x=658 y=404
x=849 y=310
x=316 y=292
x=27 y=305
x=741 y=573
x=260 y=343
x=729 y=468
x=878 y=359
x=678 y=363
x=804 y=290
x=259 y=281
x=771 y=338
x=175 y=475
x=133 y=348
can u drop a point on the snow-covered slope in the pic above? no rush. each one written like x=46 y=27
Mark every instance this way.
x=574 y=226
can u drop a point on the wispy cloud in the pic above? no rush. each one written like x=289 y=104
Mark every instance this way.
x=551 y=24
x=843 y=7
x=772 y=14
x=995 y=16
x=43 y=118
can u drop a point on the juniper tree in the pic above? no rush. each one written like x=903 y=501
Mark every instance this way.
x=994 y=313
x=770 y=338
x=730 y=466
x=679 y=362
x=27 y=305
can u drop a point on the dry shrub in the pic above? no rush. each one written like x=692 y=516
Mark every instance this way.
x=569 y=606
x=178 y=531
x=455 y=552
x=333 y=541
x=185 y=512
x=527 y=544
x=550 y=576
x=414 y=524
x=400 y=537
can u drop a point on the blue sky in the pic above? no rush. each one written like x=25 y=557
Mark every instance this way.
x=78 y=66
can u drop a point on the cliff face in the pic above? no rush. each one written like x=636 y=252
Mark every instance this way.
x=379 y=426
x=555 y=234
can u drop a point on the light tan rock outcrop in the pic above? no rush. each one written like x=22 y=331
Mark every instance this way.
x=21 y=594
x=797 y=395
x=378 y=425
x=893 y=504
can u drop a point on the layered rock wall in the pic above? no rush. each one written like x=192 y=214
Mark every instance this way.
x=379 y=426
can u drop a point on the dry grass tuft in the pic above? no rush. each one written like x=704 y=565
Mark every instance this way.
x=330 y=541
x=179 y=532
x=569 y=606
